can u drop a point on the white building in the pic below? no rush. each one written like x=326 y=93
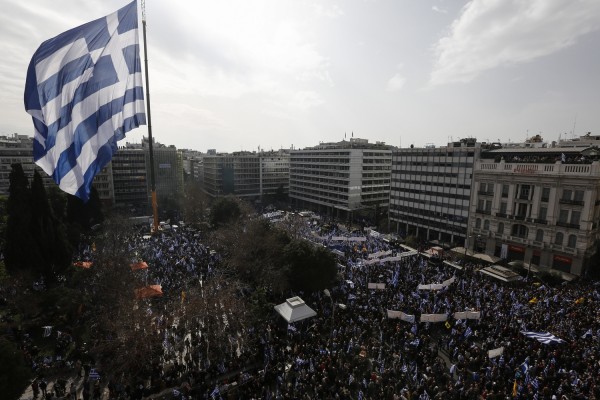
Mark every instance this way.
x=339 y=179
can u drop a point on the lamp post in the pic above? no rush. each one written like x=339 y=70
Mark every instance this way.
x=328 y=294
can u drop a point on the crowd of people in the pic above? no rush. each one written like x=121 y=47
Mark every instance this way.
x=352 y=350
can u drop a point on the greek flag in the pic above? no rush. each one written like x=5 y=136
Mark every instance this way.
x=94 y=375
x=544 y=337
x=84 y=92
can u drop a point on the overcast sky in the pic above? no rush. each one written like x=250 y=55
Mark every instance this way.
x=236 y=75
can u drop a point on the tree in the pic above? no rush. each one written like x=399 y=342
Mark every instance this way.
x=310 y=268
x=48 y=233
x=225 y=210
x=20 y=252
x=83 y=214
x=14 y=374
x=194 y=203
x=257 y=257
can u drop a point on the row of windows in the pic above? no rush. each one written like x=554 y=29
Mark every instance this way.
x=440 y=165
x=464 y=176
x=525 y=192
x=421 y=194
x=522 y=231
x=427 y=202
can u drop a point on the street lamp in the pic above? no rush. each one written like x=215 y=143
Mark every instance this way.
x=327 y=293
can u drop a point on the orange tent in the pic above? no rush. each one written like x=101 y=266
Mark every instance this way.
x=139 y=265
x=148 y=291
x=83 y=264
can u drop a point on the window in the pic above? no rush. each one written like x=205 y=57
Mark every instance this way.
x=483 y=187
x=503 y=207
x=488 y=206
x=543 y=213
x=572 y=241
x=566 y=194
x=545 y=194
x=478 y=223
x=575 y=217
x=501 y=228
x=519 y=231
x=558 y=239
x=480 y=204
x=505 y=190
x=486 y=225
x=539 y=235
x=524 y=193
x=563 y=216
x=579 y=195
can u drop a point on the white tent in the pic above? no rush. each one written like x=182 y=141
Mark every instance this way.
x=294 y=309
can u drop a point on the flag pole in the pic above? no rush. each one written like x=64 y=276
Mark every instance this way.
x=150 y=144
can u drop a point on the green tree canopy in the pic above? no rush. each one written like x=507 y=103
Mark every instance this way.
x=310 y=268
x=14 y=374
x=225 y=210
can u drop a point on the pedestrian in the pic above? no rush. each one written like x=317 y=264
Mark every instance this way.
x=35 y=388
x=73 y=391
x=43 y=385
x=78 y=367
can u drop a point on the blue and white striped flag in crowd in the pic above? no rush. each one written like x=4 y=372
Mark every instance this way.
x=84 y=93
x=544 y=337
x=468 y=332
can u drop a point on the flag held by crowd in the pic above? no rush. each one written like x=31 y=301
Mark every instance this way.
x=543 y=337
x=84 y=93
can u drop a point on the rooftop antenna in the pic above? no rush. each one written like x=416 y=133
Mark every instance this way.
x=574 y=122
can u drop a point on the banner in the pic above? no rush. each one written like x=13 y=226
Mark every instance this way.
x=433 y=317
x=496 y=352
x=376 y=286
x=392 y=314
x=467 y=315
x=431 y=286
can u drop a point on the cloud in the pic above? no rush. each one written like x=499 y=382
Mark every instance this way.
x=332 y=11
x=439 y=10
x=396 y=83
x=306 y=99
x=493 y=33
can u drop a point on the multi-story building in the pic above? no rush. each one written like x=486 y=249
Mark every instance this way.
x=539 y=205
x=430 y=191
x=168 y=167
x=249 y=175
x=341 y=179
x=18 y=149
x=131 y=179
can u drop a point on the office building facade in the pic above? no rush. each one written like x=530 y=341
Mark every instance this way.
x=430 y=192
x=341 y=179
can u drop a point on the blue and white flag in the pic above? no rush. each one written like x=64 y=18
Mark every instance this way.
x=543 y=337
x=84 y=93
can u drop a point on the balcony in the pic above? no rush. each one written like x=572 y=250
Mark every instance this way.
x=485 y=193
x=519 y=217
x=571 y=202
x=486 y=212
x=523 y=197
x=502 y=215
x=567 y=225
x=540 y=221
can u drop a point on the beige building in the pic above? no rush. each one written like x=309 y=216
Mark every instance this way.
x=539 y=206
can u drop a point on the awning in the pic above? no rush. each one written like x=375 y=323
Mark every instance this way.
x=294 y=309
x=138 y=265
x=148 y=291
